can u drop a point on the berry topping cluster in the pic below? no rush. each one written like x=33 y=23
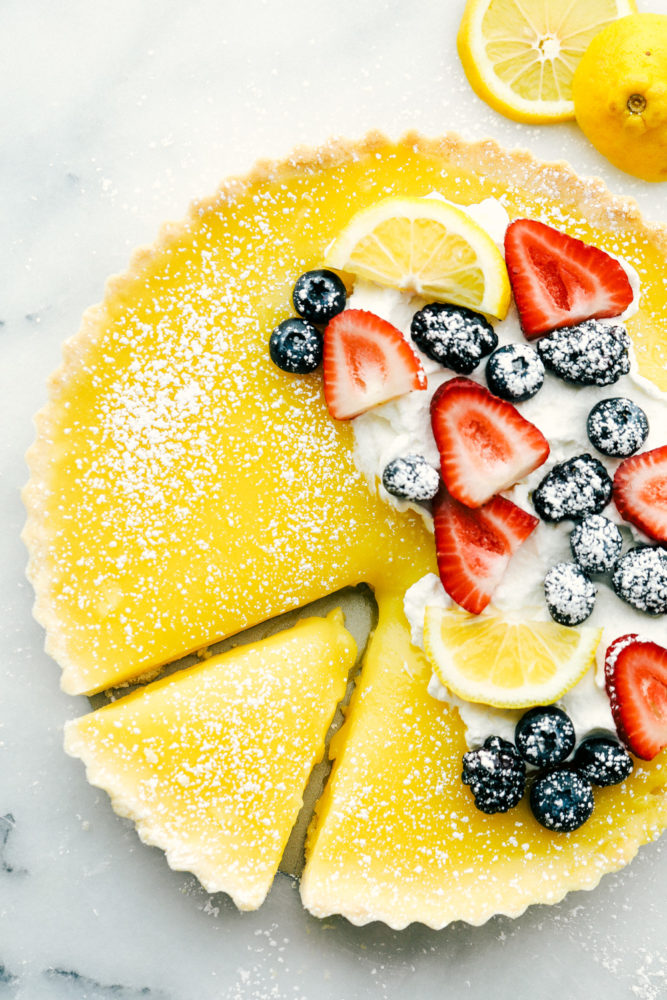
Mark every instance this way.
x=296 y=345
x=564 y=291
x=560 y=786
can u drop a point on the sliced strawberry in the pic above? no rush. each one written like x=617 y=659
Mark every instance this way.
x=485 y=444
x=558 y=280
x=475 y=546
x=640 y=492
x=636 y=679
x=367 y=361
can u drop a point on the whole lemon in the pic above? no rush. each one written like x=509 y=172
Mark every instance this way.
x=620 y=94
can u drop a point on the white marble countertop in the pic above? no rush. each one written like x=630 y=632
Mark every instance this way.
x=113 y=117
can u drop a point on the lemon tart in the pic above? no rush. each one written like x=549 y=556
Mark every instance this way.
x=183 y=488
x=211 y=762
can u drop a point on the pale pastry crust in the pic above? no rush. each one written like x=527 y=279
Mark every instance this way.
x=511 y=168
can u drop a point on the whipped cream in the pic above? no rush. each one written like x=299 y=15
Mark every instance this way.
x=560 y=410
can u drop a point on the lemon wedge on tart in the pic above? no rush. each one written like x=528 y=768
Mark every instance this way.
x=507 y=664
x=428 y=247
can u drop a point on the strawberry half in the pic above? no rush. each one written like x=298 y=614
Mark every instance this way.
x=485 y=444
x=367 y=361
x=636 y=679
x=640 y=492
x=558 y=280
x=474 y=547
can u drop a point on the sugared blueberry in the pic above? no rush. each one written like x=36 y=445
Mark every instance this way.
x=544 y=736
x=617 y=427
x=561 y=799
x=596 y=544
x=411 y=478
x=640 y=579
x=454 y=336
x=603 y=760
x=319 y=295
x=573 y=489
x=570 y=594
x=496 y=775
x=515 y=372
x=296 y=346
x=592 y=353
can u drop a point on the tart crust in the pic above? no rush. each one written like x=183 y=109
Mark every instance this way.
x=93 y=629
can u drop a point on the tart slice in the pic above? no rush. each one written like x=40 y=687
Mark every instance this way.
x=397 y=837
x=211 y=763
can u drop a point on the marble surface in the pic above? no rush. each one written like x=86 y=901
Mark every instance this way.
x=112 y=118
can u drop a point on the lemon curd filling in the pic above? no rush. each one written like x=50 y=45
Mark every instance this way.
x=183 y=488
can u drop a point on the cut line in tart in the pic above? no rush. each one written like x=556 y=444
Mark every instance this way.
x=183 y=488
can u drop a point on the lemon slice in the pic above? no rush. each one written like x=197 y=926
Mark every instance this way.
x=520 y=55
x=427 y=247
x=506 y=664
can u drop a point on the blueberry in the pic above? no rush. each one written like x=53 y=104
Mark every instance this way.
x=596 y=544
x=640 y=579
x=570 y=594
x=544 y=736
x=318 y=296
x=561 y=799
x=603 y=760
x=496 y=775
x=411 y=478
x=592 y=353
x=515 y=372
x=617 y=427
x=296 y=346
x=454 y=336
x=573 y=489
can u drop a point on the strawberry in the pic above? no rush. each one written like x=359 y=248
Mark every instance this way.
x=636 y=679
x=475 y=546
x=640 y=492
x=485 y=444
x=558 y=280
x=367 y=361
